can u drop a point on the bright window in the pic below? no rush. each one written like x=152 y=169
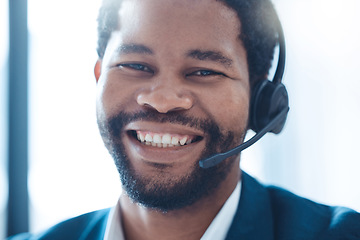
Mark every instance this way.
x=3 y=113
x=70 y=171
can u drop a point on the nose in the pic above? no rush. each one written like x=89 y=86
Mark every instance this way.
x=165 y=98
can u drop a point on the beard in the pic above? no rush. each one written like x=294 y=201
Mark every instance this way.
x=165 y=192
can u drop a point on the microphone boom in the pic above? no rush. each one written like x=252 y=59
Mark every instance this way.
x=217 y=158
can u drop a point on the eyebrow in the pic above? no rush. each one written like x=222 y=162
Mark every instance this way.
x=210 y=56
x=134 y=48
x=198 y=54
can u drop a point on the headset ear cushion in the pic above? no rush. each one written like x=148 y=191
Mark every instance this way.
x=268 y=99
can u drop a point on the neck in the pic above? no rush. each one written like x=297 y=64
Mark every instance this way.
x=187 y=223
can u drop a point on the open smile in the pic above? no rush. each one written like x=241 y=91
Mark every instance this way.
x=163 y=143
x=164 y=140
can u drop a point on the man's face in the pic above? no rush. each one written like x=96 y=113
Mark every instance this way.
x=173 y=89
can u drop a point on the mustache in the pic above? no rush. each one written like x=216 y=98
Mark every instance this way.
x=116 y=123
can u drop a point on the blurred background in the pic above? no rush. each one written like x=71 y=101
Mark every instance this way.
x=67 y=170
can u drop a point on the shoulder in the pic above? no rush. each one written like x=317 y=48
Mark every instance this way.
x=324 y=222
x=81 y=227
x=270 y=212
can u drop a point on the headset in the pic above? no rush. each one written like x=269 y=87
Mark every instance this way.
x=269 y=106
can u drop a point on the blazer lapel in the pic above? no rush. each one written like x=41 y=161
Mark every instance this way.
x=96 y=227
x=253 y=219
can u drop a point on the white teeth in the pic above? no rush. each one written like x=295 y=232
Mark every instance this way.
x=162 y=141
x=166 y=139
x=148 y=138
x=183 y=141
x=141 y=137
x=157 y=138
x=175 y=141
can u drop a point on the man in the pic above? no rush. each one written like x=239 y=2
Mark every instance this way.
x=175 y=80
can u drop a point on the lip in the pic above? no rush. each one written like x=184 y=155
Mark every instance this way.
x=142 y=152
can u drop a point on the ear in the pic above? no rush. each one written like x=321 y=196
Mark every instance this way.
x=97 y=70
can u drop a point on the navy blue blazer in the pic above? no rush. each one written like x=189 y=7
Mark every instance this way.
x=264 y=213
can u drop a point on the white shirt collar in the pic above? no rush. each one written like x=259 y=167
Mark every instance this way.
x=216 y=231
x=220 y=226
x=114 y=229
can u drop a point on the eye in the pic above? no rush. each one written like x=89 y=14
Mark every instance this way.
x=136 y=67
x=204 y=73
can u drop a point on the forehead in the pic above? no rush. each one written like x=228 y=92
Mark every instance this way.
x=178 y=18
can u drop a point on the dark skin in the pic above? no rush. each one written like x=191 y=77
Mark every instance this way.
x=184 y=56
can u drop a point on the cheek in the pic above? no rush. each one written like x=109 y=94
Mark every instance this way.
x=230 y=108
x=106 y=96
x=113 y=95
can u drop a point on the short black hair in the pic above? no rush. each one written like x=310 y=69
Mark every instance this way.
x=258 y=33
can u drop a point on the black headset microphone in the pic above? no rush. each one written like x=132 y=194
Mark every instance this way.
x=269 y=107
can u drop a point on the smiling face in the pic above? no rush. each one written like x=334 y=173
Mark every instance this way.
x=173 y=88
